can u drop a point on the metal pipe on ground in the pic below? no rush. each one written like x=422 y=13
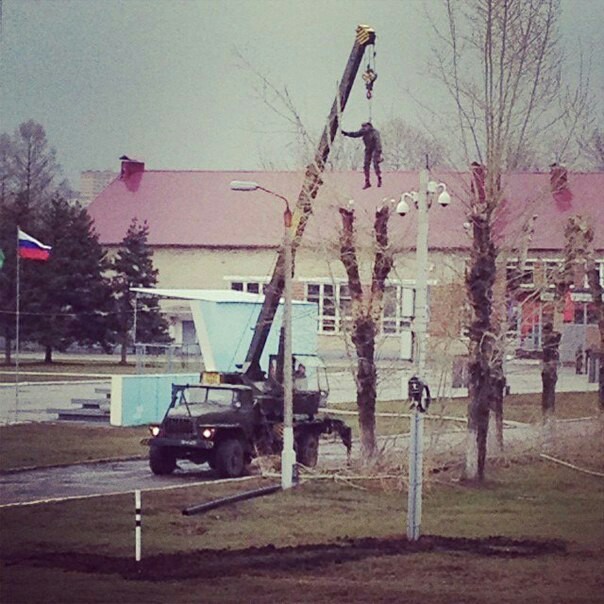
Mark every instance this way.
x=211 y=505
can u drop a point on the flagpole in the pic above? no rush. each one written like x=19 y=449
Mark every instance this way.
x=17 y=347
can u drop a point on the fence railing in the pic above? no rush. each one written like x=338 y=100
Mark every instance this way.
x=167 y=358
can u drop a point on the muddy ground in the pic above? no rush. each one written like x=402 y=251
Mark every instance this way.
x=210 y=563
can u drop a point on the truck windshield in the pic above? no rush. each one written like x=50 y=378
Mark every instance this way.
x=220 y=396
x=196 y=401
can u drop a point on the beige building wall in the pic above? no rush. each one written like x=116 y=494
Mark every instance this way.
x=181 y=268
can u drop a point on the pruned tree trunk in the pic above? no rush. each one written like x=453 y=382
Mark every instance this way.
x=593 y=276
x=363 y=337
x=549 y=377
x=502 y=109
x=124 y=352
x=497 y=398
x=366 y=316
x=480 y=282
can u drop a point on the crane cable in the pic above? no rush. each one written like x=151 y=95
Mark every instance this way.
x=370 y=75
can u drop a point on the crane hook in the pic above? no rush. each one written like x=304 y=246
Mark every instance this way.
x=370 y=76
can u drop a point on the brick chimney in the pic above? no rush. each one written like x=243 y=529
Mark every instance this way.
x=130 y=167
x=563 y=196
x=558 y=178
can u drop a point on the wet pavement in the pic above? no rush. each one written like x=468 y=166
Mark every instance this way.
x=93 y=479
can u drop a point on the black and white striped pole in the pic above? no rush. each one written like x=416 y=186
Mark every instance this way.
x=137 y=525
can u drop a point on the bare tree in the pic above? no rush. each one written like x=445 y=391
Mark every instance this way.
x=406 y=147
x=593 y=149
x=35 y=172
x=579 y=263
x=366 y=315
x=501 y=64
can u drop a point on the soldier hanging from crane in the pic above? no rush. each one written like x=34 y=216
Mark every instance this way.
x=370 y=135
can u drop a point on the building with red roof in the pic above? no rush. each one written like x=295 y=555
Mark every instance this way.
x=204 y=235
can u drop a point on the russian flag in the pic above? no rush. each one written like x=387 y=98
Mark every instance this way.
x=30 y=248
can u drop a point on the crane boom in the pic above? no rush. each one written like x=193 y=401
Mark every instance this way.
x=365 y=36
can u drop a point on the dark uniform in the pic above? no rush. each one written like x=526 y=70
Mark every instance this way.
x=373 y=150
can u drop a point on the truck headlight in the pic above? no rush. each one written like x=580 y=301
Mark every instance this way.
x=155 y=430
x=208 y=433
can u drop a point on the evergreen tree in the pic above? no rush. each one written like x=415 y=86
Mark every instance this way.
x=29 y=178
x=14 y=211
x=33 y=170
x=70 y=299
x=133 y=267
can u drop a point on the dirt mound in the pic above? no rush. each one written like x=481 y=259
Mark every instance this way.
x=219 y=563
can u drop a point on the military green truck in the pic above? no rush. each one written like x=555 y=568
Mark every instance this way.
x=227 y=425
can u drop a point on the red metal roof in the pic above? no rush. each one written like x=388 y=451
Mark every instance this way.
x=198 y=209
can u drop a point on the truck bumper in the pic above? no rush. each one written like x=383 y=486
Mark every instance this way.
x=190 y=443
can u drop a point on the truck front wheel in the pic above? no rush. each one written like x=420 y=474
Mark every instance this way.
x=230 y=458
x=161 y=461
x=307 y=449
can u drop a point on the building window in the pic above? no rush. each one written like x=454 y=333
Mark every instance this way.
x=389 y=314
x=335 y=307
x=323 y=295
x=552 y=270
x=520 y=278
x=585 y=313
x=251 y=287
x=345 y=307
x=399 y=309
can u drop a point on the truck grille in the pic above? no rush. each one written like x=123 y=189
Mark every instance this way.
x=178 y=426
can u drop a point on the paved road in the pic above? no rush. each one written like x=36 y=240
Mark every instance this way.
x=94 y=479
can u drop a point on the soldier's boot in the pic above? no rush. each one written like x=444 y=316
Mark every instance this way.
x=367 y=184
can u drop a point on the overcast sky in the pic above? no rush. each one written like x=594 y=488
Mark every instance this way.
x=161 y=80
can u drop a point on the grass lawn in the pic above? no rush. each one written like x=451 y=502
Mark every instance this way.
x=48 y=444
x=524 y=408
x=321 y=542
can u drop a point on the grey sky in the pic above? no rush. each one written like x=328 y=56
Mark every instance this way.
x=160 y=80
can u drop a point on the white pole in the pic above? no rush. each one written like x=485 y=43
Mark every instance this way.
x=414 y=503
x=137 y=525
x=17 y=331
x=288 y=456
x=135 y=321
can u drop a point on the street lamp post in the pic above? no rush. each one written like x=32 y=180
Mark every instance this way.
x=422 y=199
x=288 y=454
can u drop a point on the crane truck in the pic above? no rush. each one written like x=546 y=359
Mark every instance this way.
x=229 y=419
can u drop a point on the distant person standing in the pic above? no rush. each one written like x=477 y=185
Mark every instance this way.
x=300 y=380
x=373 y=151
